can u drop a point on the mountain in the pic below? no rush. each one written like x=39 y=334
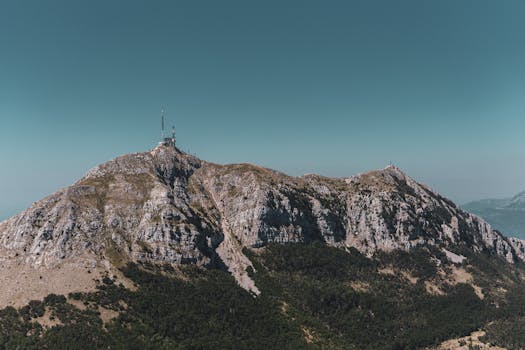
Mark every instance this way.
x=169 y=207
x=163 y=250
x=505 y=215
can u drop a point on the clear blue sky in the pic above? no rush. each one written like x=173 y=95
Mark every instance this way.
x=332 y=87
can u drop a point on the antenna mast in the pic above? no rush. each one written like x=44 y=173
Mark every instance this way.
x=162 y=132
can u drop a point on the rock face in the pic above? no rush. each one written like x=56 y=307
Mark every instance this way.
x=166 y=206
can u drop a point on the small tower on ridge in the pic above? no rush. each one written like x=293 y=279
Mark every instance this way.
x=166 y=141
x=162 y=127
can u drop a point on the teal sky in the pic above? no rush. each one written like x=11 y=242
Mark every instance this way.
x=331 y=87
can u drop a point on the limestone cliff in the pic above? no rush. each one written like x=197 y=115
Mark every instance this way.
x=166 y=206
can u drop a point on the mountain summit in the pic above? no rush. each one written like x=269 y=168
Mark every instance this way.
x=165 y=206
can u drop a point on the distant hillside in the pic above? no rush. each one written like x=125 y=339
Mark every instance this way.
x=506 y=215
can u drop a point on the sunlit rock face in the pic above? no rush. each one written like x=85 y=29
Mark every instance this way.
x=165 y=206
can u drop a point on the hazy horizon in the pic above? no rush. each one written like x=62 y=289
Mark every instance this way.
x=335 y=88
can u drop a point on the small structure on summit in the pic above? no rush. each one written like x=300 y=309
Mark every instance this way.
x=167 y=141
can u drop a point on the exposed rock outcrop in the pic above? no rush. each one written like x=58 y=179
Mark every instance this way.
x=166 y=206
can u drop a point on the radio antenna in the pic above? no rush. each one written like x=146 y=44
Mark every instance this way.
x=162 y=131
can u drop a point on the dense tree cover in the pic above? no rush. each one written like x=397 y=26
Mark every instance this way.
x=388 y=313
x=509 y=330
x=313 y=296
x=207 y=312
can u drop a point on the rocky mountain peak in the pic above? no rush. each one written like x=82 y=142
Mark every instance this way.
x=165 y=206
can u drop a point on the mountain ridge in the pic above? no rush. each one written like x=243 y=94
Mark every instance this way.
x=166 y=206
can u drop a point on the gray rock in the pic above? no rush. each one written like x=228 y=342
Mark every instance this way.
x=166 y=206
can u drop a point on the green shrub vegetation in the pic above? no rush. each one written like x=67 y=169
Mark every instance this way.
x=312 y=297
